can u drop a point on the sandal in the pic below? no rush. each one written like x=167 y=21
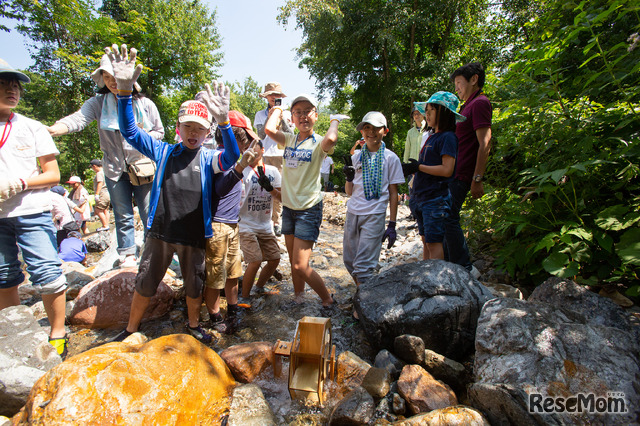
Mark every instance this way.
x=60 y=345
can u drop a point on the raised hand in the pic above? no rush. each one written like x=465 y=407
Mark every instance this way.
x=124 y=66
x=348 y=169
x=263 y=180
x=411 y=167
x=338 y=117
x=249 y=155
x=217 y=99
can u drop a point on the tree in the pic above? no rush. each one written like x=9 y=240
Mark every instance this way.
x=246 y=97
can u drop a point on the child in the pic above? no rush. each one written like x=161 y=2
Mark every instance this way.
x=28 y=167
x=179 y=212
x=62 y=213
x=223 y=259
x=80 y=196
x=301 y=188
x=436 y=165
x=372 y=175
x=73 y=249
x=101 y=195
x=257 y=239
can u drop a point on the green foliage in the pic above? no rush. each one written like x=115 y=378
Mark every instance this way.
x=246 y=98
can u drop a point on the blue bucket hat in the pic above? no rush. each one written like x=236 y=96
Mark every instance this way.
x=449 y=101
x=7 y=71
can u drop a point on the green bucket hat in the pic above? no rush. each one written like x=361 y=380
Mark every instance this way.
x=449 y=101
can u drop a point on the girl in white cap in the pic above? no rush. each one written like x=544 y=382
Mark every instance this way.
x=28 y=167
x=118 y=154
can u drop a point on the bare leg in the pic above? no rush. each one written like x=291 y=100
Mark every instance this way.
x=212 y=300
x=193 y=310
x=231 y=291
x=302 y=272
x=267 y=272
x=435 y=250
x=249 y=277
x=298 y=287
x=103 y=215
x=54 y=305
x=9 y=297
x=139 y=305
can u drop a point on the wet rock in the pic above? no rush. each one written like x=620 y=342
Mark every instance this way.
x=377 y=382
x=531 y=347
x=98 y=241
x=458 y=415
x=25 y=355
x=399 y=404
x=170 y=380
x=356 y=408
x=249 y=407
x=503 y=290
x=407 y=298
x=384 y=411
x=449 y=371
x=409 y=348
x=318 y=261
x=351 y=370
x=106 y=302
x=422 y=391
x=388 y=361
x=77 y=277
x=247 y=360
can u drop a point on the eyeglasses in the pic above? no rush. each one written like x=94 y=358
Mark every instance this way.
x=302 y=113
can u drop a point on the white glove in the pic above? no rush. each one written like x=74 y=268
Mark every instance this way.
x=338 y=117
x=96 y=197
x=249 y=155
x=124 y=66
x=216 y=98
x=9 y=188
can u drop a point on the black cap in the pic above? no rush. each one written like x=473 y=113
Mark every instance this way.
x=96 y=162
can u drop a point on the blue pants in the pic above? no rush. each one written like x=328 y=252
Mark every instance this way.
x=455 y=245
x=122 y=192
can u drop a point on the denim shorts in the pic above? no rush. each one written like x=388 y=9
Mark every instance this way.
x=430 y=215
x=303 y=224
x=35 y=235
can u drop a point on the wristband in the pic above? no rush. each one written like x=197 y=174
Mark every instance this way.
x=223 y=123
x=334 y=119
x=126 y=92
x=24 y=184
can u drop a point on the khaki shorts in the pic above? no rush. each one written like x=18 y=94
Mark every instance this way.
x=103 y=201
x=223 y=259
x=259 y=247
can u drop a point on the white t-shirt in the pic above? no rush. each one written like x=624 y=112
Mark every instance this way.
x=257 y=204
x=81 y=196
x=270 y=146
x=27 y=141
x=391 y=174
x=326 y=166
x=61 y=210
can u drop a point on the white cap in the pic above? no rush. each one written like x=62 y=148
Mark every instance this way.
x=74 y=179
x=305 y=97
x=375 y=118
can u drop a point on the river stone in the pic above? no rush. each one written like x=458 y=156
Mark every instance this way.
x=106 y=302
x=98 y=242
x=25 y=355
x=409 y=348
x=435 y=300
x=377 y=382
x=356 y=409
x=524 y=348
x=503 y=290
x=173 y=379
x=247 y=360
x=388 y=361
x=449 y=371
x=351 y=370
x=399 y=404
x=250 y=408
x=459 y=415
x=422 y=391
x=77 y=277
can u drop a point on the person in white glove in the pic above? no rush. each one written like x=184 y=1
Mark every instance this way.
x=180 y=211
x=301 y=188
x=28 y=167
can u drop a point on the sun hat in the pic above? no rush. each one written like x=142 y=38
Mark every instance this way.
x=272 y=88
x=96 y=162
x=304 y=97
x=74 y=179
x=58 y=190
x=449 y=101
x=7 y=70
x=105 y=65
x=194 y=111
x=375 y=118
x=238 y=119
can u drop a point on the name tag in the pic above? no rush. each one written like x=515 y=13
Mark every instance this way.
x=292 y=163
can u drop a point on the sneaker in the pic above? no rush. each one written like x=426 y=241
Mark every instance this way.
x=129 y=261
x=199 y=333
x=277 y=230
x=60 y=345
x=104 y=228
x=121 y=336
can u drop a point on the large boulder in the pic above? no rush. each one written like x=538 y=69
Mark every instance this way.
x=168 y=381
x=250 y=408
x=528 y=351
x=106 y=302
x=25 y=356
x=422 y=391
x=98 y=241
x=247 y=360
x=433 y=299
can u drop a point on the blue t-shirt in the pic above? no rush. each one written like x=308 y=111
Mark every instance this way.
x=72 y=250
x=426 y=186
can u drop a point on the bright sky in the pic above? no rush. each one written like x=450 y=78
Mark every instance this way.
x=253 y=42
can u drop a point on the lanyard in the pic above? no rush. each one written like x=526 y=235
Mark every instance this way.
x=313 y=135
x=3 y=139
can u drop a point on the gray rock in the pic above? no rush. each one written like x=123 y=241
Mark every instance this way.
x=77 y=277
x=389 y=362
x=503 y=290
x=409 y=348
x=377 y=382
x=249 y=407
x=399 y=404
x=449 y=371
x=524 y=348
x=356 y=408
x=98 y=241
x=384 y=410
x=25 y=356
x=432 y=299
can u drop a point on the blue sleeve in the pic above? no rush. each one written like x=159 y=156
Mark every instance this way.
x=226 y=182
x=450 y=145
x=231 y=151
x=139 y=139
